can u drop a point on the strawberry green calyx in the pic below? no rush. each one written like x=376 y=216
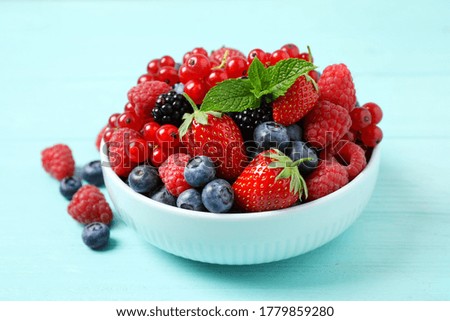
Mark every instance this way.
x=289 y=170
x=199 y=116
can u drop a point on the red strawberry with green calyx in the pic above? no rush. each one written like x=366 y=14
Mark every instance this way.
x=217 y=136
x=296 y=102
x=271 y=181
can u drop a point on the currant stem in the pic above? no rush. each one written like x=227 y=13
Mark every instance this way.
x=223 y=62
x=189 y=99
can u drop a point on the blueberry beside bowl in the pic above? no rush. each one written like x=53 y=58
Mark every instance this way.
x=242 y=238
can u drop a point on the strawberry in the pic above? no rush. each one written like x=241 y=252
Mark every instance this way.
x=297 y=102
x=270 y=182
x=217 y=136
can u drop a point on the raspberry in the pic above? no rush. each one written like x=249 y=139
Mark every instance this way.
x=327 y=178
x=353 y=157
x=119 y=158
x=336 y=85
x=58 y=161
x=217 y=55
x=172 y=173
x=99 y=138
x=326 y=124
x=88 y=205
x=144 y=96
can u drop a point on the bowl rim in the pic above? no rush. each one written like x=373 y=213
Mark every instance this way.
x=298 y=209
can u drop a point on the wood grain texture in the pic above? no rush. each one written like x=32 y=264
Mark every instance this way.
x=64 y=67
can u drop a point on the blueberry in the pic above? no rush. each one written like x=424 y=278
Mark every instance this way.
x=92 y=173
x=163 y=196
x=218 y=196
x=199 y=171
x=300 y=150
x=179 y=88
x=294 y=132
x=144 y=179
x=95 y=235
x=271 y=135
x=191 y=199
x=69 y=186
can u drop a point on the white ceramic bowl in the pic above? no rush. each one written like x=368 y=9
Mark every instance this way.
x=247 y=238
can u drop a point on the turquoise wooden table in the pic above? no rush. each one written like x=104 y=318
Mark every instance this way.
x=65 y=66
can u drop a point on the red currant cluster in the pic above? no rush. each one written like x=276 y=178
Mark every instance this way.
x=163 y=69
x=200 y=71
x=364 y=124
x=156 y=143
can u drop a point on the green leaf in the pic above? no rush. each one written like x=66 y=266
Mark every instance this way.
x=258 y=76
x=284 y=74
x=231 y=95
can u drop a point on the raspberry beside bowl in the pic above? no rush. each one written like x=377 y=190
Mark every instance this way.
x=247 y=238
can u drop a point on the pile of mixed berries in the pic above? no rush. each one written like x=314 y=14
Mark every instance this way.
x=228 y=132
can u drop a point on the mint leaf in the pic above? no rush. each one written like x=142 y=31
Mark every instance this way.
x=258 y=76
x=231 y=95
x=284 y=74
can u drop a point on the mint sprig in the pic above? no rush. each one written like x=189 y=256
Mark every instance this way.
x=236 y=95
x=231 y=95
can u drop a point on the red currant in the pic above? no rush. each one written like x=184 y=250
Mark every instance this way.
x=277 y=56
x=215 y=77
x=305 y=56
x=129 y=120
x=168 y=137
x=268 y=55
x=257 y=53
x=196 y=89
x=213 y=63
x=200 y=50
x=291 y=49
x=158 y=156
x=198 y=65
x=129 y=108
x=153 y=66
x=186 y=56
x=167 y=61
x=113 y=120
x=375 y=111
x=145 y=77
x=138 y=150
x=236 y=67
x=361 y=118
x=371 y=135
x=108 y=134
x=149 y=131
x=169 y=75
x=184 y=74
x=314 y=75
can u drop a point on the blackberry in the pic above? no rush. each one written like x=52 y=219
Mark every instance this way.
x=170 y=108
x=248 y=119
